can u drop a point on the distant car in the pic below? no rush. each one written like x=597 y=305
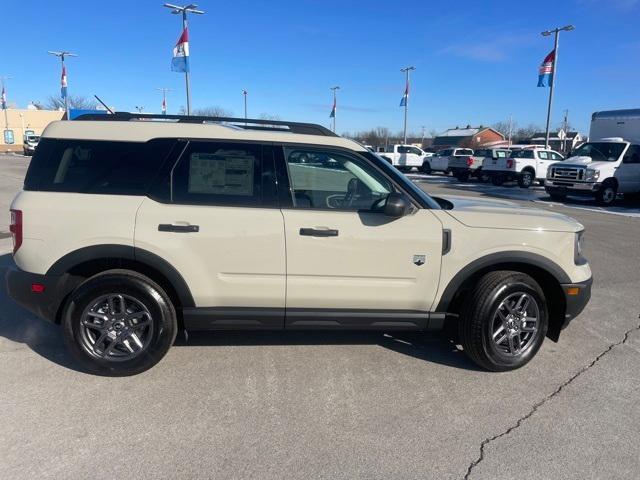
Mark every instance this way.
x=524 y=165
x=440 y=160
x=463 y=167
x=30 y=144
x=404 y=157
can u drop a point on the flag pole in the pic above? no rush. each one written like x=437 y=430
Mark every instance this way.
x=406 y=70
x=335 y=107
x=546 y=33
x=186 y=72
x=4 y=102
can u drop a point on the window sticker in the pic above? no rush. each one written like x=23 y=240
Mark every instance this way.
x=221 y=173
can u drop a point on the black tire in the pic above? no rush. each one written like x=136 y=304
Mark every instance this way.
x=497 y=180
x=161 y=331
x=426 y=168
x=606 y=196
x=526 y=179
x=479 y=312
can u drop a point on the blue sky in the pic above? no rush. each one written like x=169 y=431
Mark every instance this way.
x=476 y=61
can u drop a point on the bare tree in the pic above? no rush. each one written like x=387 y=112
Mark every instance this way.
x=213 y=111
x=54 y=102
x=503 y=127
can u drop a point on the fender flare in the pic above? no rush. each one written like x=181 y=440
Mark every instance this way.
x=126 y=252
x=507 y=257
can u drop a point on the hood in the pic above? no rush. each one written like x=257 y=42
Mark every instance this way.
x=481 y=213
x=583 y=161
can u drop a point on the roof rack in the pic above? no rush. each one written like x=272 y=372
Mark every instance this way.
x=243 y=123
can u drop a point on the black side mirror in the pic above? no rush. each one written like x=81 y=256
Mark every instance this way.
x=396 y=205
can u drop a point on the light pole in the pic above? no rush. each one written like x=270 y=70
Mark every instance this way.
x=556 y=33
x=334 y=111
x=244 y=94
x=405 y=99
x=63 y=80
x=183 y=10
x=164 y=99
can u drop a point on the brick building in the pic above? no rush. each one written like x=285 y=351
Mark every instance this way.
x=469 y=137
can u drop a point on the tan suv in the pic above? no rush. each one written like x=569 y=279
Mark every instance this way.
x=131 y=227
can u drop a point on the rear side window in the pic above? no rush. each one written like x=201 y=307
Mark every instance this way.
x=98 y=167
x=225 y=174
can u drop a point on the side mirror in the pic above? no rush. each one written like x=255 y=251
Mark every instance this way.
x=396 y=205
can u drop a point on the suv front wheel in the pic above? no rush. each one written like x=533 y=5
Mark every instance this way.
x=504 y=323
x=119 y=323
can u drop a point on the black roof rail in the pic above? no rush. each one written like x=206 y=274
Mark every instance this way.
x=243 y=123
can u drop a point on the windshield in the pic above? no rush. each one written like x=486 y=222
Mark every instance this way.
x=600 y=151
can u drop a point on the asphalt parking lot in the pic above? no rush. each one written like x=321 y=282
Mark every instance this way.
x=339 y=405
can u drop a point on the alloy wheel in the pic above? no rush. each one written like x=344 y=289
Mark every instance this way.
x=515 y=324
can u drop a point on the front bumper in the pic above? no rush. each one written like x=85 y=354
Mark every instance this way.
x=576 y=297
x=563 y=186
x=45 y=303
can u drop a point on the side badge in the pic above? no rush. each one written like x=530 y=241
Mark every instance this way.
x=419 y=260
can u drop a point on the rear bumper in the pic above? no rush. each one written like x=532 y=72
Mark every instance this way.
x=46 y=303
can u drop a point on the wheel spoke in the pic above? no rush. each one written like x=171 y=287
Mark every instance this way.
x=501 y=339
x=136 y=339
x=514 y=343
x=112 y=307
x=101 y=316
x=126 y=343
x=498 y=331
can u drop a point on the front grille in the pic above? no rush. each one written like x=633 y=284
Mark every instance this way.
x=567 y=173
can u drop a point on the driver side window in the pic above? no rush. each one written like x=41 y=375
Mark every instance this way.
x=334 y=180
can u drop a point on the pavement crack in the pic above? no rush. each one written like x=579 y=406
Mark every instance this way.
x=540 y=403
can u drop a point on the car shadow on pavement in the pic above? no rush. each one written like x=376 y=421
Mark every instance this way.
x=44 y=338
x=20 y=326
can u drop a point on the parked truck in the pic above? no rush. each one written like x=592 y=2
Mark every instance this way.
x=524 y=164
x=606 y=165
x=404 y=157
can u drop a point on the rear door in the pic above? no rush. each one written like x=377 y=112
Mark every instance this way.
x=213 y=215
x=348 y=265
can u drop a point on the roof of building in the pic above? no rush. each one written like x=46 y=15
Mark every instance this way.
x=142 y=129
x=554 y=135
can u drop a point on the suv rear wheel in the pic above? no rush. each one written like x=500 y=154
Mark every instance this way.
x=119 y=323
x=504 y=324
x=525 y=179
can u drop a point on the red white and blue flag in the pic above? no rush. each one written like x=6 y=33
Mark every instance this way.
x=4 y=98
x=333 y=110
x=545 y=73
x=405 y=97
x=180 y=62
x=63 y=83
x=164 y=106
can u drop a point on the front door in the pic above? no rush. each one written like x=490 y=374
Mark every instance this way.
x=348 y=264
x=628 y=173
x=214 y=217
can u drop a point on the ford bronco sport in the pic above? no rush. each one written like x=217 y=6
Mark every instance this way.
x=132 y=227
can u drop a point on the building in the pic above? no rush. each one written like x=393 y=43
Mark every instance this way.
x=17 y=122
x=560 y=141
x=469 y=137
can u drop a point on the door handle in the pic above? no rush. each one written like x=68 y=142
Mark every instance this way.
x=318 y=232
x=168 y=227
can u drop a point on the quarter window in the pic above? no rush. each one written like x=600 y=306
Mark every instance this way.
x=332 y=180
x=632 y=155
x=543 y=155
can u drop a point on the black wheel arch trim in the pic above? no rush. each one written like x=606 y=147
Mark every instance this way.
x=126 y=252
x=509 y=257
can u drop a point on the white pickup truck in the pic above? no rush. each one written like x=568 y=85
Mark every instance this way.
x=441 y=161
x=524 y=164
x=404 y=157
x=463 y=167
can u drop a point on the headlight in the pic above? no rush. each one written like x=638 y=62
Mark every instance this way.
x=591 y=175
x=578 y=259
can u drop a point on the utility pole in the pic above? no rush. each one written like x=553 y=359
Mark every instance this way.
x=405 y=98
x=510 y=128
x=546 y=33
x=164 y=98
x=183 y=10
x=244 y=94
x=140 y=108
x=63 y=80
x=565 y=128
x=335 y=106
